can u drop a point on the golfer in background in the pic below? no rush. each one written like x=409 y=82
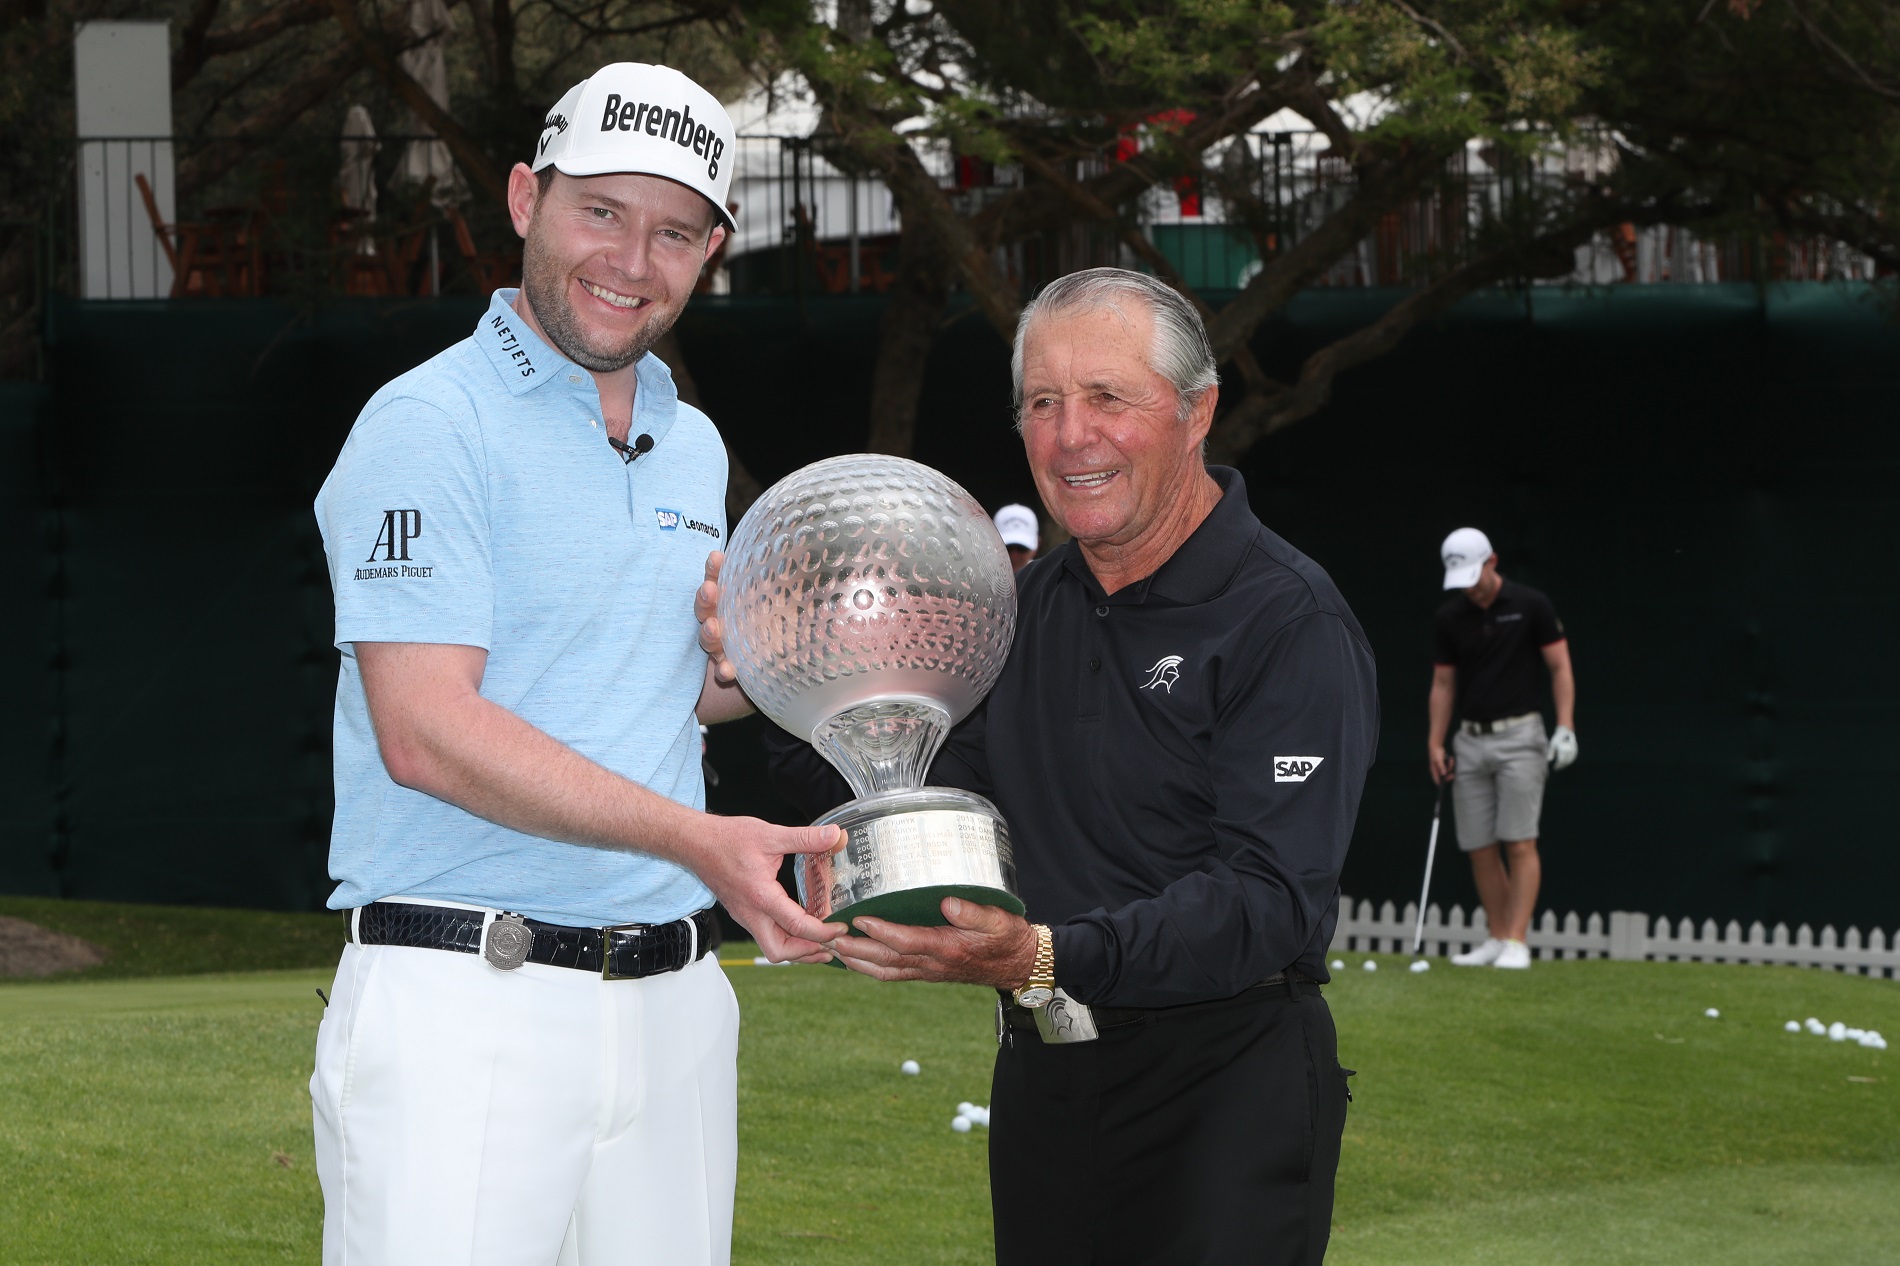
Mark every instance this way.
x=529 y=1055
x=1494 y=643
x=1021 y=534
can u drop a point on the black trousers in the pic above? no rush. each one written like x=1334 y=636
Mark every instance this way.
x=1203 y=1134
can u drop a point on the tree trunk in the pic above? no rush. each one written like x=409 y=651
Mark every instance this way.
x=903 y=346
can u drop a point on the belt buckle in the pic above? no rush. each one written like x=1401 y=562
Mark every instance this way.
x=607 y=947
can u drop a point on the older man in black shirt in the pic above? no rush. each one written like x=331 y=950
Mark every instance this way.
x=1178 y=742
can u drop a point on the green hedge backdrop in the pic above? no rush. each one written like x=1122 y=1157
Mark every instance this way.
x=1703 y=478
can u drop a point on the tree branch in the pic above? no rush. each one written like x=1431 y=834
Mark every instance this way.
x=190 y=57
x=267 y=25
x=311 y=88
x=1381 y=187
x=474 y=163
x=1549 y=255
x=1258 y=383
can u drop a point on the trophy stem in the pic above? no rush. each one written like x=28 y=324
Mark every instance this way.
x=883 y=745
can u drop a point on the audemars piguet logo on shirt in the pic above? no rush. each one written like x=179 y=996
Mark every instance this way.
x=511 y=345
x=397 y=530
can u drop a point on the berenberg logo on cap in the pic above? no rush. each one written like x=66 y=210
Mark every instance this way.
x=677 y=126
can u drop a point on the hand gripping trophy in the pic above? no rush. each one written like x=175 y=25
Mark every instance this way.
x=867 y=605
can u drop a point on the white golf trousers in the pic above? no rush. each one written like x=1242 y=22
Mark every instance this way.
x=468 y=1116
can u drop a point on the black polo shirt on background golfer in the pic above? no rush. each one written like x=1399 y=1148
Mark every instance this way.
x=1180 y=766
x=1497 y=650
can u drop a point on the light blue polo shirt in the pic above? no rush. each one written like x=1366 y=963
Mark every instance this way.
x=477 y=502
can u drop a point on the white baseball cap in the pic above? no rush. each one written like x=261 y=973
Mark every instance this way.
x=1017 y=525
x=649 y=120
x=1464 y=553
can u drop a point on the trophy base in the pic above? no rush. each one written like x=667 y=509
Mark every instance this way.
x=904 y=852
x=923 y=907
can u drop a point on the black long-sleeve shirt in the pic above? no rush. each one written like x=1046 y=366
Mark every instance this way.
x=1180 y=762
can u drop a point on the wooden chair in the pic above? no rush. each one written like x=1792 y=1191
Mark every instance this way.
x=218 y=257
x=491 y=269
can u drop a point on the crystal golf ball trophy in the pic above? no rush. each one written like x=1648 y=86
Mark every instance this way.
x=867 y=604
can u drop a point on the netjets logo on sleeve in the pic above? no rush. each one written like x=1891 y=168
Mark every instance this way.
x=1164 y=672
x=1295 y=768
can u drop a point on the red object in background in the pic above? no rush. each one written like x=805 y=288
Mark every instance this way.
x=1187 y=191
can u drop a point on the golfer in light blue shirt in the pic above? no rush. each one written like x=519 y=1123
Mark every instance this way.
x=529 y=1052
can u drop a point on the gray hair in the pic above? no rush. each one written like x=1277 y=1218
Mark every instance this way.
x=1180 y=351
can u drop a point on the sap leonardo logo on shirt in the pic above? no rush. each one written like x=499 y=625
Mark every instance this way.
x=673 y=521
x=1295 y=768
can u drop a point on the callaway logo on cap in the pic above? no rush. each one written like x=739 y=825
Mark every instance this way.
x=648 y=120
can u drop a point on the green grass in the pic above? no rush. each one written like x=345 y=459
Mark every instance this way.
x=183 y=940
x=1577 y=1113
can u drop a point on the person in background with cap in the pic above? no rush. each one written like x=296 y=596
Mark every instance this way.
x=1493 y=644
x=1021 y=534
x=529 y=1055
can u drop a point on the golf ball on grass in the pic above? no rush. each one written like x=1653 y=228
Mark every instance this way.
x=1837 y=1032
x=1815 y=1027
x=961 y=1125
x=1713 y=1014
x=1421 y=965
x=1339 y=964
x=1371 y=966
x=909 y=1068
x=1793 y=1026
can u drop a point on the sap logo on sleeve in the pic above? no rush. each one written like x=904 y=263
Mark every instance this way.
x=1295 y=768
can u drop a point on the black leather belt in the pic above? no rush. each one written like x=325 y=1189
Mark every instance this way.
x=1113 y=1017
x=628 y=951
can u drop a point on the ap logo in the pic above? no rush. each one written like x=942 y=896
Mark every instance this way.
x=669 y=519
x=1295 y=768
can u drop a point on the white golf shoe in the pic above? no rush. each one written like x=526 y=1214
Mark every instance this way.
x=1516 y=956
x=1483 y=956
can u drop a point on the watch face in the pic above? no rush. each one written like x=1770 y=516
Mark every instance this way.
x=1035 y=996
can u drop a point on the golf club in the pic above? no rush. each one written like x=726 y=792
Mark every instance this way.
x=1431 y=852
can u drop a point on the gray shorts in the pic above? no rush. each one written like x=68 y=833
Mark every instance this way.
x=1497 y=790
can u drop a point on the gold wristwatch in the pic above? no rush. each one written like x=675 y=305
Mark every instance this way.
x=1041 y=985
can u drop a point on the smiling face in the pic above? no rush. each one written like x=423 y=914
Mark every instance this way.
x=1115 y=463
x=609 y=261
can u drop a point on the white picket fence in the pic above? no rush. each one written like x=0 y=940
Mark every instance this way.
x=1624 y=935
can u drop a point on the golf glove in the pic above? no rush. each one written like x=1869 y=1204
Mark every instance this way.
x=1563 y=748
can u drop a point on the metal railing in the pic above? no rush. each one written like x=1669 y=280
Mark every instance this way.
x=176 y=217
x=155 y=217
x=832 y=230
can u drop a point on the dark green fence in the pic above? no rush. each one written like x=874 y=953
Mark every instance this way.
x=1703 y=478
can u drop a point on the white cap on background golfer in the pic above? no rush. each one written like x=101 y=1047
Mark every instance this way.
x=1021 y=533
x=1464 y=554
x=645 y=120
x=1017 y=525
